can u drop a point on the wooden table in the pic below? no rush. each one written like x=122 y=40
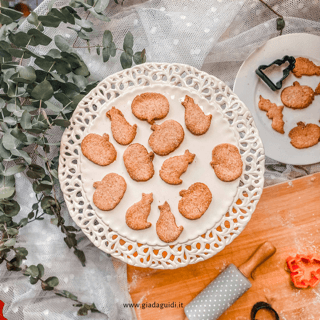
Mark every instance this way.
x=288 y=215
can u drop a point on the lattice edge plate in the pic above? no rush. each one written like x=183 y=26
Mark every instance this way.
x=231 y=224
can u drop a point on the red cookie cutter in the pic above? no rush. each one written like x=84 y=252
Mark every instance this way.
x=305 y=270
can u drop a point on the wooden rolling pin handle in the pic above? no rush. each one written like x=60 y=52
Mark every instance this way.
x=264 y=252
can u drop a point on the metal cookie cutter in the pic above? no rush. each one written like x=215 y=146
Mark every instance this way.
x=285 y=73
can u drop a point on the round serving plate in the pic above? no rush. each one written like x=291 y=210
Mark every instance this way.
x=233 y=203
x=248 y=86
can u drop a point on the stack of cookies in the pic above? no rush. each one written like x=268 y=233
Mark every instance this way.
x=296 y=97
x=164 y=139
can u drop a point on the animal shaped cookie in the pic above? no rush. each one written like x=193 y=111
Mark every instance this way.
x=166 y=227
x=274 y=112
x=174 y=167
x=226 y=162
x=138 y=162
x=98 y=149
x=109 y=191
x=196 y=121
x=123 y=132
x=297 y=96
x=137 y=214
x=195 y=201
x=150 y=106
x=166 y=137
x=305 y=67
x=304 y=136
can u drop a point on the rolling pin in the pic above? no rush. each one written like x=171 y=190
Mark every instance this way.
x=227 y=288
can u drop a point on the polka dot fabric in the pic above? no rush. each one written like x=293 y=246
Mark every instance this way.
x=218 y=296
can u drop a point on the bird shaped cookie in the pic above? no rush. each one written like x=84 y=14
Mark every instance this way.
x=196 y=121
x=122 y=131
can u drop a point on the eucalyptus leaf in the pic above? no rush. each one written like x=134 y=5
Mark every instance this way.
x=26 y=120
x=33 y=280
x=6 y=192
x=37 y=37
x=19 y=53
x=101 y=5
x=12 y=208
x=33 y=271
x=62 y=43
x=15 y=169
x=13 y=14
x=99 y=16
x=139 y=57
x=21 y=153
x=69 y=17
x=105 y=55
x=12 y=232
x=41 y=270
x=10 y=142
x=33 y=18
x=27 y=73
x=5 y=19
x=107 y=38
x=20 y=39
x=62 y=123
x=56 y=13
x=52 y=281
x=128 y=41
x=126 y=60
x=10 y=242
x=43 y=91
x=22 y=251
x=50 y=21
x=23 y=222
x=10 y=121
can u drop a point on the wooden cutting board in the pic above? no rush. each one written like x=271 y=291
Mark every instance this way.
x=288 y=215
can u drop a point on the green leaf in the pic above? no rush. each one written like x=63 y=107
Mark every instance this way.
x=10 y=121
x=23 y=252
x=99 y=16
x=27 y=74
x=280 y=24
x=12 y=232
x=9 y=141
x=83 y=311
x=52 y=281
x=18 y=134
x=44 y=63
x=6 y=192
x=49 y=21
x=21 y=153
x=80 y=81
x=101 y=5
x=69 y=17
x=37 y=37
x=62 y=66
x=98 y=51
x=15 y=169
x=33 y=18
x=47 y=202
x=140 y=57
x=53 y=107
x=26 y=120
x=128 y=41
x=107 y=38
x=61 y=123
x=105 y=54
x=10 y=242
x=62 y=43
x=82 y=70
x=33 y=271
x=13 y=14
x=43 y=91
x=41 y=270
x=81 y=256
x=33 y=280
x=126 y=60
x=20 y=39
x=12 y=208
x=23 y=222
x=54 y=221
x=5 y=19
x=31 y=215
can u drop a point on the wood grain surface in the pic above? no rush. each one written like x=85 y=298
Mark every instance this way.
x=288 y=215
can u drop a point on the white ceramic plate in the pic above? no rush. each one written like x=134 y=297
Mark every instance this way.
x=233 y=203
x=248 y=86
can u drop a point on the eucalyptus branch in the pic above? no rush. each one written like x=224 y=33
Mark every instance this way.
x=280 y=21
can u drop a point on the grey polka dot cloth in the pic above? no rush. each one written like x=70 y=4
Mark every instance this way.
x=218 y=296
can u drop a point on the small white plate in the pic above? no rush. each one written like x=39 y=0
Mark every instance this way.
x=248 y=86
